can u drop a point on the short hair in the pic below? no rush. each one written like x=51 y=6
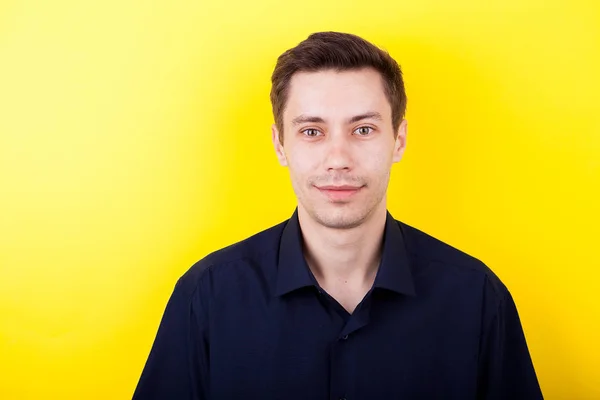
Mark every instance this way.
x=340 y=52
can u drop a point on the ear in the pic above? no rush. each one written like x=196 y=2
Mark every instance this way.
x=279 y=151
x=400 y=144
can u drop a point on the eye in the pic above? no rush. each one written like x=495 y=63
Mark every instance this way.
x=311 y=132
x=363 y=130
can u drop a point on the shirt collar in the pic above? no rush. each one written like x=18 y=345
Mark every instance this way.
x=393 y=273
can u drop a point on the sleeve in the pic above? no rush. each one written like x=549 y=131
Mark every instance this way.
x=506 y=368
x=177 y=366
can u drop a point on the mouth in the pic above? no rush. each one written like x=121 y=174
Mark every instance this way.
x=339 y=193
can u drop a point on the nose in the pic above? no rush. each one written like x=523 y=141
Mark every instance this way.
x=338 y=152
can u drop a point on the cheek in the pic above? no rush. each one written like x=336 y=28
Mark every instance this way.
x=379 y=166
x=378 y=160
x=302 y=163
x=299 y=172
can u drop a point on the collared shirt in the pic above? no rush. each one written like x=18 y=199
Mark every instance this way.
x=250 y=321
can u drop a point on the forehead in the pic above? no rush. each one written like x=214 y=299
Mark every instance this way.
x=331 y=93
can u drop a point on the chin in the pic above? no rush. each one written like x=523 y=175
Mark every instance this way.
x=336 y=217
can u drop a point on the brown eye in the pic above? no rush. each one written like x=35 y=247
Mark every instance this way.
x=363 y=130
x=311 y=132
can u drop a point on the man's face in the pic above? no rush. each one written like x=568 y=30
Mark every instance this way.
x=339 y=144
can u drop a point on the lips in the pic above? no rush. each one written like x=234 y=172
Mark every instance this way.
x=343 y=187
x=340 y=193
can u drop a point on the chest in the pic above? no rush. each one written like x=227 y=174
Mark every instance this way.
x=346 y=297
x=306 y=348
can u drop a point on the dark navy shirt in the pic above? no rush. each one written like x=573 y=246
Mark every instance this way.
x=250 y=321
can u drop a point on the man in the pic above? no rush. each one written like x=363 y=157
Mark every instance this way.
x=341 y=301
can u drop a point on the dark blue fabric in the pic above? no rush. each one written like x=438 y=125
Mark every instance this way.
x=250 y=322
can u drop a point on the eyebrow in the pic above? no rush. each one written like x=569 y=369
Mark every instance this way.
x=301 y=119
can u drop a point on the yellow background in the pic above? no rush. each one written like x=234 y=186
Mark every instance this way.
x=135 y=139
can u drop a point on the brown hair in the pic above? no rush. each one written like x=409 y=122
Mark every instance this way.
x=337 y=51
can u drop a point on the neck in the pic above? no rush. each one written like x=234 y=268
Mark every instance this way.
x=344 y=256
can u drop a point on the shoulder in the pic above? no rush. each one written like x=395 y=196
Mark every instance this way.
x=225 y=260
x=448 y=262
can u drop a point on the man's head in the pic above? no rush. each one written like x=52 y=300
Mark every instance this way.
x=339 y=105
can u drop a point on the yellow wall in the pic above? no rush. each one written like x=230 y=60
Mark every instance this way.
x=134 y=139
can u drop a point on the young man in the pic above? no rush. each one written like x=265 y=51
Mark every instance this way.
x=341 y=301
